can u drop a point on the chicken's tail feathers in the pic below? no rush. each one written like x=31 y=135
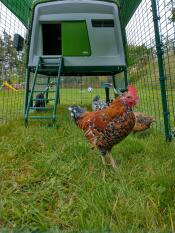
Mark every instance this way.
x=76 y=111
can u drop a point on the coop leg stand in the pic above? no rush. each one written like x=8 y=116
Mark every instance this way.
x=114 y=85
x=107 y=95
x=126 y=77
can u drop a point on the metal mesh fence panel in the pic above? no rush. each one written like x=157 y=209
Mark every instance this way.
x=21 y=8
x=76 y=89
x=143 y=62
x=166 y=11
x=82 y=90
x=11 y=66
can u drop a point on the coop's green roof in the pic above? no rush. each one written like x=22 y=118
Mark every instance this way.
x=22 y=8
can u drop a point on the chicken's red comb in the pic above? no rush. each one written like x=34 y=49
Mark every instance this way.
x=133 y=91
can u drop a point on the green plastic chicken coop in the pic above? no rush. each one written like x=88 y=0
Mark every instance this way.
x=72 y=37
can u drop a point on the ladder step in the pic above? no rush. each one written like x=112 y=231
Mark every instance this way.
x=41 y=108
x=42 y=84
x=44 y=99
x=51 y=63
x=48 y=70
x=50 y=57
x=43 y=76
x=45 y=84
x=40 y=117
x=43 y=91
x=46 y=65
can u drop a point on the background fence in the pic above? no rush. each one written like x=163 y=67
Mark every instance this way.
x=144 y=62
x=144 y=53
x=11 y=67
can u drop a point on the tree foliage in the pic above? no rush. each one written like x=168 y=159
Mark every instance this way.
x=173 y=15
x=171 y=6
x=139 y=54
x=11 y=61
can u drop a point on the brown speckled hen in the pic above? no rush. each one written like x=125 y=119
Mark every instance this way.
x=107 y=127
x=142 y=122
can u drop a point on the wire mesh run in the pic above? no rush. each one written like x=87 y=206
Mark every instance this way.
x=142 y=59
x=166 y=11
x=74 y=90
x=11 y=67
x=82 y=89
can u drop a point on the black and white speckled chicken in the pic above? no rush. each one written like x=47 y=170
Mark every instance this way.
x=98 y=104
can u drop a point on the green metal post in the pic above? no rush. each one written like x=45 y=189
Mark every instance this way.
x=57 y=96
x=27 y=80
x=114 y=82
x=47 y=92
x=126 y=77
x=124 y=37
x=114 y=85
x=81 y=90
x=159 y=50
x=126 y=57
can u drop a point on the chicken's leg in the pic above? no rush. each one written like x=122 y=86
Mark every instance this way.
x=103 y=160
x=113 y=162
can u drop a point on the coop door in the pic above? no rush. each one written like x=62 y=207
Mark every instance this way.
x=51 y=39
x=75 y=40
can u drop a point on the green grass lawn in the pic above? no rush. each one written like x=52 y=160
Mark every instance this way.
x=51 y=181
